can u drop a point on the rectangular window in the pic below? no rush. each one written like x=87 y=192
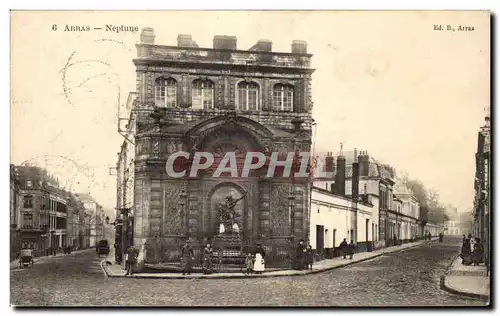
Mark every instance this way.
x=277 y=101
x=287 y=101
x=197 y=98
x=28 y=202
x=252 y=100
x=160 y=96
x=208 y=99
x=166 y=96
x=242 y=99
x=28 y=220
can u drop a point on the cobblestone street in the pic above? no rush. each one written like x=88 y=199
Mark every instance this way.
x=405 y=278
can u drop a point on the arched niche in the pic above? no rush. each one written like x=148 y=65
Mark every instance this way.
x=216 y=196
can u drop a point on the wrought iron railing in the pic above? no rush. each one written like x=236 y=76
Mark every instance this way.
x=167 y=256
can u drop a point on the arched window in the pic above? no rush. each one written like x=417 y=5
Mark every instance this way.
x=166 y=92
x=283 y=97
x=248 y=96
x=203 y=94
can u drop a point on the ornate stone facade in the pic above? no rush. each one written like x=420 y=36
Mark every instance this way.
x=230 y=118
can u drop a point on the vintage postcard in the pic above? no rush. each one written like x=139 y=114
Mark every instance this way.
x=250 y=158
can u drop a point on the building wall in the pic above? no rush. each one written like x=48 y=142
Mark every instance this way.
x=335 y=214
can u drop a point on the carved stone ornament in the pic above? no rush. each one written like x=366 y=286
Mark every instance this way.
x=231 y=116
x=156 y=148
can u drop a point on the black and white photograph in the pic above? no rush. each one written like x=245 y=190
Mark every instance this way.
x=238 y=158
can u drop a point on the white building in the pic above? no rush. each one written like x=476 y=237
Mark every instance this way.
x=334 y=217
x=407 y=209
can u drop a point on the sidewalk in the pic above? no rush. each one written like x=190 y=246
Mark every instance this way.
x=15 y=264
x=115 y=271
x=466 y=280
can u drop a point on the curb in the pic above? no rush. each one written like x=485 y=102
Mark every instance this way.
x=444 y=287
x=238 y=276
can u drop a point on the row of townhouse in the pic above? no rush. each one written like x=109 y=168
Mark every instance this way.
x=363 y=203
x=44 y=217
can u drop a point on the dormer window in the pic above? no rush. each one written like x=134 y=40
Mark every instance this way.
x=166 y=92
x=283 y=97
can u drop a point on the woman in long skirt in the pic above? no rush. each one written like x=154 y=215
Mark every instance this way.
x=466 y=253
x=259 y=264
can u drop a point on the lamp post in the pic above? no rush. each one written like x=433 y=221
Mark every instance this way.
x=182 y=203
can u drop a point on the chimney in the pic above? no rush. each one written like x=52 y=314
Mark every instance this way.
x=185 y=40
x=364 y=164
x=355 y=178
x=225 y=42
x=148 y=36
x=299 y=47
x=329 y=162
x=262 y=45
x=340 y=174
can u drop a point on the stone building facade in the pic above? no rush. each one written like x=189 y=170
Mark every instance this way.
x=216 y=100
x=407 y=213
x=482 y=189
x=44 y=211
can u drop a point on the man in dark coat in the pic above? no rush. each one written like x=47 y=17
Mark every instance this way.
x=465 y=254
x=343 y=247
x=207 y=259
x=478 y=252
x=299 y=262
x=351 y=248
x=187 y=257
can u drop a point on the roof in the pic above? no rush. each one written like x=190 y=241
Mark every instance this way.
x=401 y=189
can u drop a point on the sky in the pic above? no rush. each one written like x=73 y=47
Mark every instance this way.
x=385 y=82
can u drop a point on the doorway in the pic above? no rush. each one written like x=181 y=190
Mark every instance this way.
x=320 y=238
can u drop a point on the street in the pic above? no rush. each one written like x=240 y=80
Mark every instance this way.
x=407 y=278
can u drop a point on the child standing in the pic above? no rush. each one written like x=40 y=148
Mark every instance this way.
x=249 y=263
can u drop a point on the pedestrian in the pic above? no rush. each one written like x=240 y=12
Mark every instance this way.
x=207 y=259
x=187 y=257
x=478 y=252
x=309 y=258
x=343 y=247
x=130 y=260
x=465 y=254
x=298 y=261
x=351 y=248
x=249 y=259
x=259 y=255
